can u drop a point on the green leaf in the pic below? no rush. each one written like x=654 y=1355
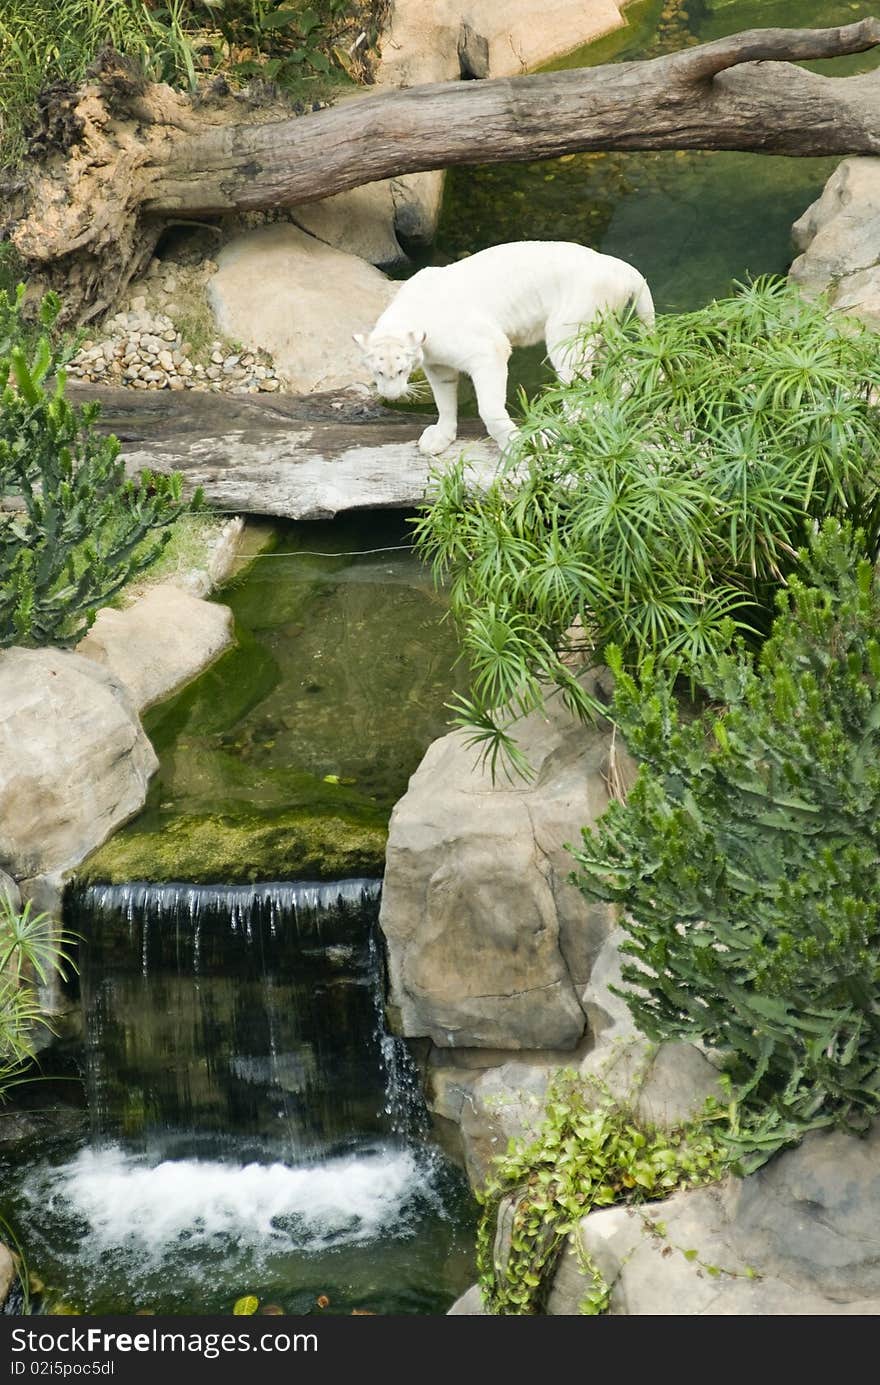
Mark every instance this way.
x=245 y=1306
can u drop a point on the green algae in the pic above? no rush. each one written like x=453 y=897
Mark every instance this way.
x=243 y=849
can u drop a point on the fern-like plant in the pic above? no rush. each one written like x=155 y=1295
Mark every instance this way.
x=660 y=503
x=31 y=950
x=746 y=857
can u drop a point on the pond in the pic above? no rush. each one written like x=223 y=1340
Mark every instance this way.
x=285 y=758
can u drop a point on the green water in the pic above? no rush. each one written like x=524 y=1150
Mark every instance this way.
x=285 y=758
x=692 y=222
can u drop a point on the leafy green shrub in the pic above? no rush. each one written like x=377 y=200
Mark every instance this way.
x=72 y=529
x=660 y=503
x=746 y=857
x=589 y=1152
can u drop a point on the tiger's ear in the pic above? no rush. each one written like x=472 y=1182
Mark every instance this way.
x=416 y=338
x=359 y=339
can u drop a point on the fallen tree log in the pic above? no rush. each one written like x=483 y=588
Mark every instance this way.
x=297 y=458
x=136 y=156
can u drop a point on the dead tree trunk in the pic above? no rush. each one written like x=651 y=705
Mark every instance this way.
x=137 y=156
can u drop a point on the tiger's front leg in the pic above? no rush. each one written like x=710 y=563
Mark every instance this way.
x=490 y=382
x=444 y=386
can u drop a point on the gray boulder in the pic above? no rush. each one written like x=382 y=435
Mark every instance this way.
x=469 y=1305
x=74 y=760
x=158 y=643
x=800 y=1237
x=489 y=946
x=9 y=892
x=360 y=222
x=839 y=237
x=8 y=1272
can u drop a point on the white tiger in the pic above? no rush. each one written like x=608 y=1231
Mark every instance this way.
x=468 y=316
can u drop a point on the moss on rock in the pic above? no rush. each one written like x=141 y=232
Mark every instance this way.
x=214 y=849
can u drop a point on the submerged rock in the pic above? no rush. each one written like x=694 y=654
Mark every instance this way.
x=74 y=760
x=239 y=850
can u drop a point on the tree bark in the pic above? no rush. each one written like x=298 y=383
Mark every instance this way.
x=300 y=458
x=137 y=156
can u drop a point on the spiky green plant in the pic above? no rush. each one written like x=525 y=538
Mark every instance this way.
x=660 y=503
x=72 y=528
x=31 y=949
x=747 y=853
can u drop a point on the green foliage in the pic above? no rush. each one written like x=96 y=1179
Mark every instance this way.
x=29 y=949
x=72 y=529
x=589 y=1152
x=660 y=503
x=746 y=857
x=178 y=41
x=286 y=39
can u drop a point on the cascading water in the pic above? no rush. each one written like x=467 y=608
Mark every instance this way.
x=251 y=1125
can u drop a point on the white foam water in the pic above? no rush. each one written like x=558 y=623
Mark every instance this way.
x=154 y=1209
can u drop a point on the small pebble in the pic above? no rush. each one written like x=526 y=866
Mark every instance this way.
x=142 y=349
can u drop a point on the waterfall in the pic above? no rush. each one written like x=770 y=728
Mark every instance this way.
x=249 y=1007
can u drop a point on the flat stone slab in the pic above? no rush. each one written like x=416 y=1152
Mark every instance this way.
x=297 y=457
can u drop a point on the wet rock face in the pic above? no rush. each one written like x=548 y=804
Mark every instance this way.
x=74 y=760
x=839 y=237
x=489 y=945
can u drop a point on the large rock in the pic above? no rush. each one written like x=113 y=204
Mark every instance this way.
x=10 y=895
x=8 y=1272
x=440 y=40
x=159 y=642
x=437 y=40
x=839 y=236
x=360 y=222
x=800 y=1237
x=282 y=291
x=489 y=946
x=74 y=760
x=664 y=1087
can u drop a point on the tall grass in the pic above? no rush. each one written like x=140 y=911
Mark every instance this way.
x=46 y=41
x=175 y=41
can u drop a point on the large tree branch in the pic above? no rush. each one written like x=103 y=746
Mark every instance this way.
x=673 y=102
x=92 y=220
x=773 y=45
